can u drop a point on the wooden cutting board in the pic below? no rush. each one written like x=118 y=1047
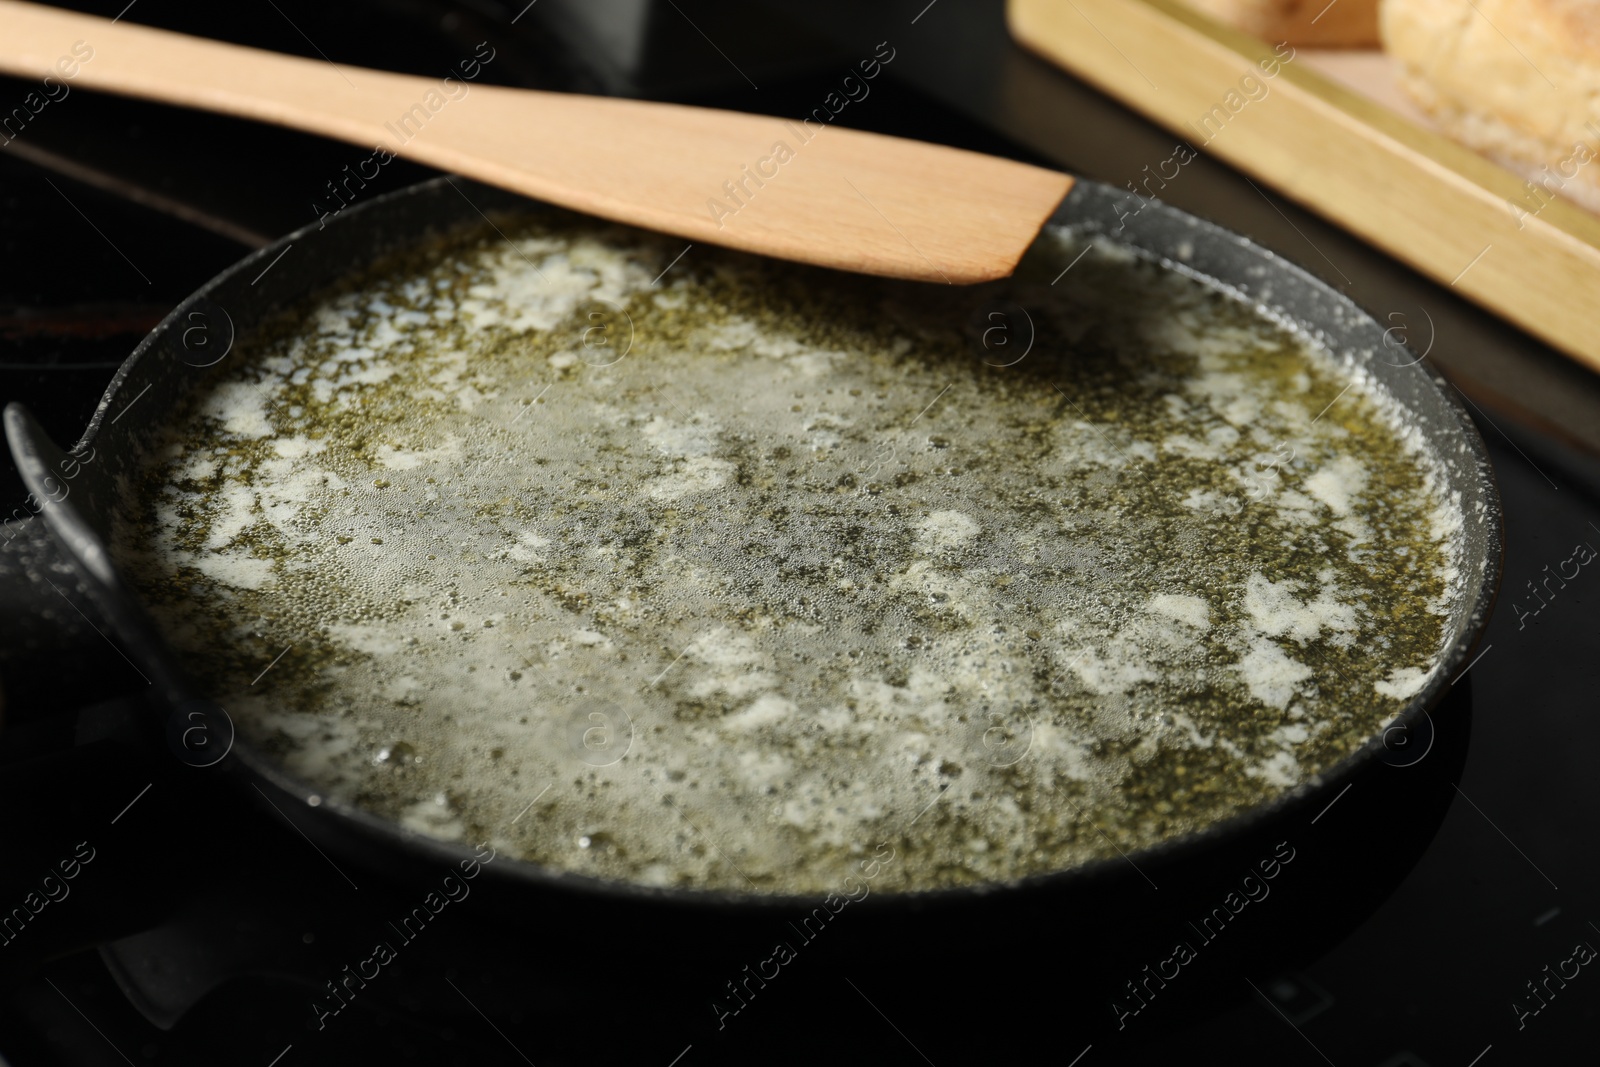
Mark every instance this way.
x=1333 y=132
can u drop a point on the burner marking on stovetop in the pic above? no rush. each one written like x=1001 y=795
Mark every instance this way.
x=279 y=1056
x=1080 y=1056
x=1479 y=1056
x=131 y=803
x=680 y=1056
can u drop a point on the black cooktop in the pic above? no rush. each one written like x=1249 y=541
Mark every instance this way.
x=196 y=930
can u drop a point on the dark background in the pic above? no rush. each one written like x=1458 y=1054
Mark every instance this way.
x=114 y=210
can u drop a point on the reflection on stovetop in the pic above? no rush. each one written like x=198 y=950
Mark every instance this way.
x=202 y=927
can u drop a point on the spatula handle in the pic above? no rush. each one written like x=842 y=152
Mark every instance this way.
x=847 y=199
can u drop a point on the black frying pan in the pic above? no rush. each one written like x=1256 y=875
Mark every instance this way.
x=56 y=577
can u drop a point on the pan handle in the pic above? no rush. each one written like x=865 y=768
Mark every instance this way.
x=52 y=650
x=75 y=501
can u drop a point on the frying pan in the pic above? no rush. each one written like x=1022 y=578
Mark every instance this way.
x=56 y=576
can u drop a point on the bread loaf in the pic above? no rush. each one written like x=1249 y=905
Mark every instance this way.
x=1315 y=23
x=1517 y=80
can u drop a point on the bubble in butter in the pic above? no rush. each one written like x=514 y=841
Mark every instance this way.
x=720 y=578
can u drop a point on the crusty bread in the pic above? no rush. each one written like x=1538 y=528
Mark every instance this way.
x=1315 y=23
x=1518 y=80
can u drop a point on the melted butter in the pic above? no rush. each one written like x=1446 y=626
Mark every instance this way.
x=734 y=576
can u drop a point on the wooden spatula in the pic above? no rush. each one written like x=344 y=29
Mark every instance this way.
x=793 y=189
